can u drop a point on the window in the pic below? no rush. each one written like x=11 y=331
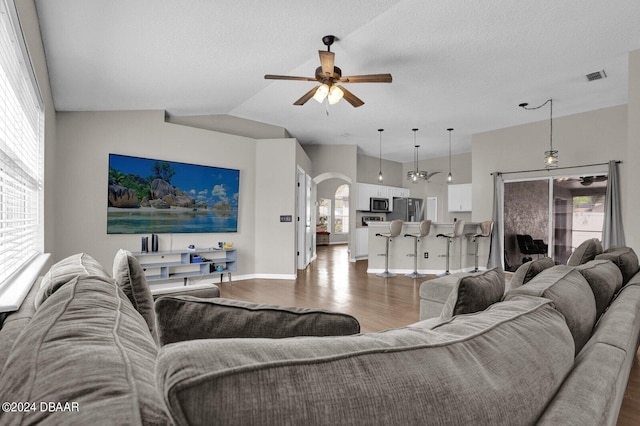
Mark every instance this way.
x=341 y=210
x=21 y=151
x=324 y=214
x=562 y=212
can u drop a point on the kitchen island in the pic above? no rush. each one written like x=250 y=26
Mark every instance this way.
x=401 y=249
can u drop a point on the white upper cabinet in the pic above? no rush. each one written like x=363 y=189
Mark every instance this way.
x=460 y=197
x=366 y=191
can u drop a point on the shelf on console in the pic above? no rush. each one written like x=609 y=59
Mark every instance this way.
x=179 y=264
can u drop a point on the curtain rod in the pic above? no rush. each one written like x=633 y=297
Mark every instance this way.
x=556 y=168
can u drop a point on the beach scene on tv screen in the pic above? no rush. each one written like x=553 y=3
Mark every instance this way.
x=156 y=196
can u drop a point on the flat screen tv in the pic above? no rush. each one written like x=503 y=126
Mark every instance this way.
x=156 y=196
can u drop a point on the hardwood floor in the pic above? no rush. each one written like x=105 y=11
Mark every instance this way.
x=332 y=282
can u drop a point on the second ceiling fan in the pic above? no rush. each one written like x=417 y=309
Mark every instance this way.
x=328 y=75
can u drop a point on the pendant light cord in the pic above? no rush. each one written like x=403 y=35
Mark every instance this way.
x=548 y=101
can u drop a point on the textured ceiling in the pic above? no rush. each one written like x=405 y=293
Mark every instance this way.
x=455 y=63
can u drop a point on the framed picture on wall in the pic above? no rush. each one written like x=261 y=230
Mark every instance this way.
x=156 y=196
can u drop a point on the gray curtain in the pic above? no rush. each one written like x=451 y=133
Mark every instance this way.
x=496 y=250
x=612 y=230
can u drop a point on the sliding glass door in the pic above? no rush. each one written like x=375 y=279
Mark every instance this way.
x=551 y=216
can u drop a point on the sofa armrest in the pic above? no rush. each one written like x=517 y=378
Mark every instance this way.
x=181 y=318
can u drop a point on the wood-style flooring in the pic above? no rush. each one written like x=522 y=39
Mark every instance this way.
x=332 y=282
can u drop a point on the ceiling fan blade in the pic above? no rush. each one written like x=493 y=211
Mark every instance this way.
x=369 y=78
x=326 y=62
x=351 y=98
x=306 y=96
x=287 y=77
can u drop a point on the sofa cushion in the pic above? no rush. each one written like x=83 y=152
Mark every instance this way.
x=86 y=344
x=201 y=290
x=571 y=295
x=587 y=396
x=129 y=276
x=468 y=370
x=528 y=270
x=188 y=318
x=60 y=273
x=435 y=292
x=585 y=252
x=605 y=280
x=624 y=258
x=15 y=322
x=474 y=293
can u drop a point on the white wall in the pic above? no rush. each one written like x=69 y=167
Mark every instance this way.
x=630 y=170
x=369 y=169
x=31 y=32
x=267 y=170
x=275 y=195
x=461 y=166
x=588 y=138
x=341 y=160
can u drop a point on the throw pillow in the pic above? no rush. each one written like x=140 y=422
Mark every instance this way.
x=605 y=280
x=130 y=277
x=188 y=318
x=571 y=295
x=624 y=258
x=62 y=272
x=585 y=252
x=528 y=270
x=474 y=293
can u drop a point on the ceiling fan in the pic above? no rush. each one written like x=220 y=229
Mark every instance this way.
x=328 y=75
x=585 y=180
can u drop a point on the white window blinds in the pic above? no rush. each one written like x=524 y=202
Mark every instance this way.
x=21 y=150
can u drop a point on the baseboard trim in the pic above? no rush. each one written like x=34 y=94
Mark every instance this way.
x=264 y=277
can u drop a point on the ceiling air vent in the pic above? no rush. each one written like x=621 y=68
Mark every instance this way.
x=596 y=75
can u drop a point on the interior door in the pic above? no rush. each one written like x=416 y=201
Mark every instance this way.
x=301 y=220
x=308 y=228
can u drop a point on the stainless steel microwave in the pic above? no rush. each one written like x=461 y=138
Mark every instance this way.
x=379 y=205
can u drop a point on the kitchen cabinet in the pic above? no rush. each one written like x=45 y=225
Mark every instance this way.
x=366 y=191
x=459 y=197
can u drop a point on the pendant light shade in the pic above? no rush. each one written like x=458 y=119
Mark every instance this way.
x=380 y=173
x=416 y=175
x=550 y=156
x=450 y=176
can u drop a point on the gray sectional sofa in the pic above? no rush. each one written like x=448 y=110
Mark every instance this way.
x=547 y=352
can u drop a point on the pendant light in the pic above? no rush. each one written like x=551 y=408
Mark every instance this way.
x=550 y=156
x=450 y=176
x=380 y=173
x=416 y=175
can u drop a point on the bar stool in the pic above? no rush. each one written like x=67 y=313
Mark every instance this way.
x=457 y=232
x=394 y=230
x=485 y=230
x=425 y=226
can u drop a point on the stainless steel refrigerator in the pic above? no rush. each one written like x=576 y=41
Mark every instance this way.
x=407 y=209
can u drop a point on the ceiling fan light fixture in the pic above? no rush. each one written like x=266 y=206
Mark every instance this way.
x=415 y=175
x=335 y=94
x=321 y=93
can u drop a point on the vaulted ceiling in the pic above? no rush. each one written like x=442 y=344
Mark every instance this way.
x=455 y=63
